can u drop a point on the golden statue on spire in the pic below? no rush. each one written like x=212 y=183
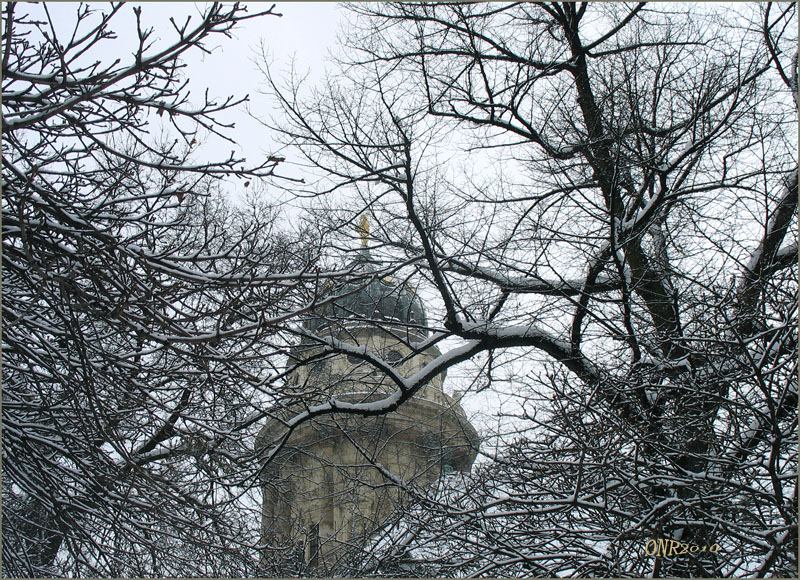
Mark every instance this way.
x=363 y=230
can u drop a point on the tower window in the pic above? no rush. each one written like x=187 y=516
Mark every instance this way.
x=447 y=462
x=353 y=359
x=394 y=357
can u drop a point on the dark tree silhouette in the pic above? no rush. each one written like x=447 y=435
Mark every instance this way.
x=134 y=299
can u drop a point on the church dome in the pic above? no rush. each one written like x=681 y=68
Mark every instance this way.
x=380 y=300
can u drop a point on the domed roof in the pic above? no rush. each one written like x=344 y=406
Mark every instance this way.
x=379 y=300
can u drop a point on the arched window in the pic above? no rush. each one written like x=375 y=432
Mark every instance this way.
x=447 y=462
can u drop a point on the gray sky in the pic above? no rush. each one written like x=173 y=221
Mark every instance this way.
x=304 y=34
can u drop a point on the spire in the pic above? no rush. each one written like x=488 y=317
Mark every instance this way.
x=364 y=258
x=363 y=230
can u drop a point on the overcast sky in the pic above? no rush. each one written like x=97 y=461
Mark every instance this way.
x=303 y=35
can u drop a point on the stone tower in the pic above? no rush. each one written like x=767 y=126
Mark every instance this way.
x=325 y=493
